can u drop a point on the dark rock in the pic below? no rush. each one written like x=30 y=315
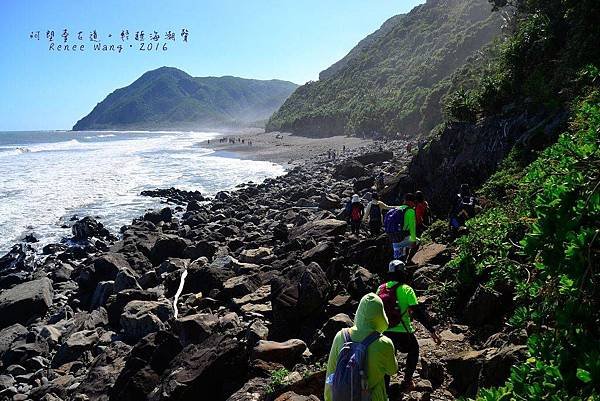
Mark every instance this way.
x=286 y=353
x=146 y=363
x=363 y=183
x=375 y=157
x=167 y=246
x=194 y=329
x=322 y=253
x=141 y=318
x=254 y=390
x=30 y=238
x=291 y=396
x=25 y=301
x=486 y=305
x=464 y=368
x=75 y=346
x=16 y=265
x=104 y=371
x=330 y=202
x=319 y=229
x=89 y=227
x=116 y=303
x=349 y=169
x=496 y=367
x=324 y=337
x=280 y=232
x=164 y=215
x=10 y=334
x=217 y=366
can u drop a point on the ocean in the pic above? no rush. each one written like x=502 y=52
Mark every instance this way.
x=46 y=177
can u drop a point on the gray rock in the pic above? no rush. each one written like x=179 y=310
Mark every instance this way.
x=23 y=302
x=141 y=318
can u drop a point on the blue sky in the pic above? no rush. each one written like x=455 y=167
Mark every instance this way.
x=263 y=39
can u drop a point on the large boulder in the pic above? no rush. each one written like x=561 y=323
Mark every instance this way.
x=194 y=329
x=256 y=256
x=10 y=334
x=287 y=353
x=26 y=301
x=16 y=265
x=103 y=372
x=319 y=229
x=217 y=367
x=324 y=337
x=167 y=246
x=375 y=157
x=75 y=346
x=146 y=362
x=141 y=318
x=485 y=306
x=330 y=202
x=350 y=169
x=89 y=227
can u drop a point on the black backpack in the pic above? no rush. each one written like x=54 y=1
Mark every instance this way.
x=375 y=214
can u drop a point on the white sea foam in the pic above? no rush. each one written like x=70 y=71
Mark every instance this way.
x=103 y=177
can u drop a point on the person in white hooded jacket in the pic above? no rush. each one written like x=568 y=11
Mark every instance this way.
x=374 y=214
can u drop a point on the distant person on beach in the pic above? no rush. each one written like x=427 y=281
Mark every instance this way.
x=400 y=304
x=373 y=214
x=356 y=213
x=364 y=337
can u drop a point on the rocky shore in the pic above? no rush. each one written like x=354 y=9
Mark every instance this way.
x=232 y=298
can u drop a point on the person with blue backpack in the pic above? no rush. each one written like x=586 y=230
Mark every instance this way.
x=373 y=214
x=361 y=357
x=400 y=304
x=400 y=224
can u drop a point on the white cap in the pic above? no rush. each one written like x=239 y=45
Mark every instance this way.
x=395 y=266
x=355 y=198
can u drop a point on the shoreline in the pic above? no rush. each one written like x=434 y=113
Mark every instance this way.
x=285 y=149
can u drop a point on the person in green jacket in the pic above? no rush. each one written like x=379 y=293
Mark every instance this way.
x=407 y=237
x=381 y=356
x=403 y=334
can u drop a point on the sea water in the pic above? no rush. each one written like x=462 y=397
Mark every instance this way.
x=46 y=177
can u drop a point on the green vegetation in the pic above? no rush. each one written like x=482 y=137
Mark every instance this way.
x=277 y=380
x=539 y=238
x=394 y=80
x=542 y=240
x=541 y=66
x=168 y=98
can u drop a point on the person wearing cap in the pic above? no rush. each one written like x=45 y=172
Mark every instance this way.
x=357 y=211
x=403 y=334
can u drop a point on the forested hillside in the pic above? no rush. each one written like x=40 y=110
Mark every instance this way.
x=393 y=80
x=168 y=98
x=535 y=248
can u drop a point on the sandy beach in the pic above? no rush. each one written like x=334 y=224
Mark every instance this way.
x=283 y=148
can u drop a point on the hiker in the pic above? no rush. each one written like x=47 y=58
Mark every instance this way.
x=464 y=207
x=380 y=181
x=344 y=149
x=364 y=337
x=400 y=304
x=408 y=147
x=373 y=214
x=329 y=154
x=356 y=213
x=401 y=227
x=422 y=212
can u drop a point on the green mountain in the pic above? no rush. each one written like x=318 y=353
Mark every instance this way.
x=168 y=98
x=393 y=80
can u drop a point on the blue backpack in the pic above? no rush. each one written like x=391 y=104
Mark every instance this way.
x=349 y=380
x=393 y=222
